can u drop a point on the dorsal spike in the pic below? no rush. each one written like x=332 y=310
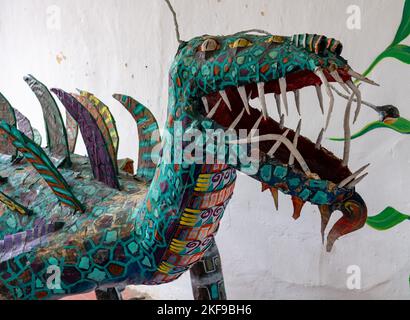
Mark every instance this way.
x=72 y=132
x=14 y=206
x=24 y=124
x=42 y=163
x=107 y=116
x=8 y=115
x=37 y=137
x=57 y=143
x=148 y=133
x=101 y=125
x=101 y=162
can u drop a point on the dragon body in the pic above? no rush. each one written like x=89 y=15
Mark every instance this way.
x=103 y=227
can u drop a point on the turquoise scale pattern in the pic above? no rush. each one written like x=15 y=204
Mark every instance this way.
x=38 y=158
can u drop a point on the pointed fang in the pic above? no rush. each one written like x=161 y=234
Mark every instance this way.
x=320 y=97
x=206 y=105
x=278 y=105
x=348 y=138
x=237 y=120
x=295 y=143
x=320 y=139
x=361 y=77
x=297 y=100
x=282 y=122
x=358 y=96
x=245 y=101
x=339 y=80
x=353 y=176
x=214 y=109
x=354 y=183
x=283 y=91
x=226 y=99
x=329 y=93
x=262 y=99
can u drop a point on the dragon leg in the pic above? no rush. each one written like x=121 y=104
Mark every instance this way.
x=207 y=278
x=109 y=294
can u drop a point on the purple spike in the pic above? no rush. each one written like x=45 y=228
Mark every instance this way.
x=23 y=124
x=102 y=166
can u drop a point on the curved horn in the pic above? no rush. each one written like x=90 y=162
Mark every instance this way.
x=354 y=218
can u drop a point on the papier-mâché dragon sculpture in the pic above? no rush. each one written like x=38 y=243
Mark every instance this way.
x=98 y=226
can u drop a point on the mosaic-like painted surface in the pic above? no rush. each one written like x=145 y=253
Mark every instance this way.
x=151 y=232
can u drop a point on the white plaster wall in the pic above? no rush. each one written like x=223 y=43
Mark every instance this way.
x=127 y=46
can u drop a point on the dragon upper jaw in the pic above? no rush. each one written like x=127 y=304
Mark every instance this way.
x=231 y=109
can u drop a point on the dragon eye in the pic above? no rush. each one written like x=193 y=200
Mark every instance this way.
x=241 y=43
x=209 y=45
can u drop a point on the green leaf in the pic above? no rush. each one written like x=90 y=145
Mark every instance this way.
x=404 y=29
x=399 y=52
x=387 y=219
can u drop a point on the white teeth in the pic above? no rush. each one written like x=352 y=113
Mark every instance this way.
x=278 y=104
x=206 y=105
x=320 y=97
x=357 y=181
x=368 y=104
x=285 y=141
x=214 y=109
x=237 y=120
x=283 y=91
x=320 y=139
x=353 y=176
x=245 y=101
x=282 y=121
x=255 y=127
x=295 y=143
x=339 y=80
x=361 y=77
x=348 y=138
x=297 y=100
x=277 y=145
x=225 y=99
x=329 y=92
x=358 y=96
x=262 y=99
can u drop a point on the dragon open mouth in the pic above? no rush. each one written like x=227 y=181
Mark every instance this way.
x=231 y=109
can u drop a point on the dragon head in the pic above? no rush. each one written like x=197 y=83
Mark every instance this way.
x=213 y=79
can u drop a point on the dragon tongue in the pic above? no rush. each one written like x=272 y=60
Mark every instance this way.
x=297 y=207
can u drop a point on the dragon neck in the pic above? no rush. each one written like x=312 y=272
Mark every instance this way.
x=185 y=201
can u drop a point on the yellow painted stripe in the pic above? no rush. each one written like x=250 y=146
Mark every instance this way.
x=188 y=222
x=176 y=242
x=205 y=176
x=189 y=219
x=189 y=216
x=205 y=185
x=193 y=210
